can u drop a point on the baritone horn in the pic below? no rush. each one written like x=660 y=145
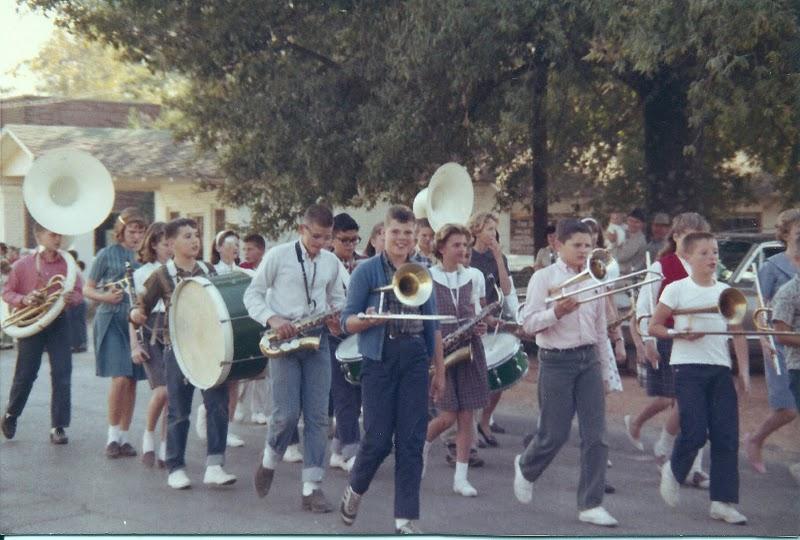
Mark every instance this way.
x=449 y=197
x=412 y=285
x=68 y=192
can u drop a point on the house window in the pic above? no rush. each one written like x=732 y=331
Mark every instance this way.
x=741 y=223
x=173 y=215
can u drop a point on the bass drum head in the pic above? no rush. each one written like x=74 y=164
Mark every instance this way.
x=499 y=348
x=348 y=349
x=200 y=332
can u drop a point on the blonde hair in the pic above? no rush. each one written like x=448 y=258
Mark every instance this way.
x=444 y=234
x=680 y=224
x=478 y=221
x=786 y=220
x=127 y=217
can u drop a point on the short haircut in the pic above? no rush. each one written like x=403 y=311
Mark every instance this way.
x=444 y=234
x=566 y=227
x=74 y=253
x=155 y=232
x=687 y=221
x=478 y=221
x=127 y=217
x=344 y=222
x=691 y=239
x=172 y=228
x=319 y=215
x=400 y=214
x=38 y=227
x=786 y=220
x=257 y=239
x=551 y=229
x=423 y=223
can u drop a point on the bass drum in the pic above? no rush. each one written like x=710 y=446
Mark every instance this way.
x=350 y=360
x=213 y=337
x=506 y=360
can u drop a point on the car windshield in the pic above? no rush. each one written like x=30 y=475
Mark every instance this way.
x=731 y=254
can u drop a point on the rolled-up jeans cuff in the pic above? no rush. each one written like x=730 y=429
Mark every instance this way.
x=349 y=450
x=215 y=459
x=313 y=474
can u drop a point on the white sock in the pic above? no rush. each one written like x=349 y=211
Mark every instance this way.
x=664 y=444
x=148 y=442
x=123 y=437
x=309 y=487
x=270 y=459
x=461 y=471
x=698 y=461
x=400 y=522
x=113 y=434
x=425 y=449
x=162 y=451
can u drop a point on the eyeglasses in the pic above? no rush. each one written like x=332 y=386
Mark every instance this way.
x=349 y=239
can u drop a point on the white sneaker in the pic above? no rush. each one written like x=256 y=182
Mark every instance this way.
x=238 y=415
x=258 y=418
x=463 y=487
x=669 y=488
x=178 y=480
x=523 y=489
x=598 y=516
x=233 y=440
x=350 y=463
x=200 y=424
x=637 y=443
x=727 y=513
x=216 y=476
x=293 y=454
x=337 y=460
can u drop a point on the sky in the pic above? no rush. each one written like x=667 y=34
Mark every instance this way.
x=22 y=35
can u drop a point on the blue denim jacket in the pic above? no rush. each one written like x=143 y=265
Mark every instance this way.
x=775 y=271
x=367 y=277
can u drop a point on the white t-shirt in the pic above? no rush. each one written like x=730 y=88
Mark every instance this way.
x=711 y=350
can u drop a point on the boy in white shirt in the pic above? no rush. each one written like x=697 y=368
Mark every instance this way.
x=707 y=400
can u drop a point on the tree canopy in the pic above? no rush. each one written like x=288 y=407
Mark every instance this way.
x=352 y=100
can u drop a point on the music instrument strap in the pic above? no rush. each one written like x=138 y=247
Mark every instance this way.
x=311 y=303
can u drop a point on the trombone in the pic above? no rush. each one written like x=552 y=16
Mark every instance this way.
x=412 y=285
x=773 y=352
x=604 y=270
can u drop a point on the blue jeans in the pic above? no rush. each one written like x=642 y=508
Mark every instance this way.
x=55 y=339
x=179 y=408
x=571 y=381
x=77 y=323
x=301 y=381
x=708 y=410
x=346 y=407
x=395 y=395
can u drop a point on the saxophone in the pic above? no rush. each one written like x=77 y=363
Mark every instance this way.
x=271 y=345
x=455 y=351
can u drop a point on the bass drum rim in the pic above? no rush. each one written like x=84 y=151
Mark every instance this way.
x=226 y=329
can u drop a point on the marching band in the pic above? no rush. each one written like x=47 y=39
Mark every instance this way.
x=410 y=337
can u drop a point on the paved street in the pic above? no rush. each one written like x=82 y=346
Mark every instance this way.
x=75 y=489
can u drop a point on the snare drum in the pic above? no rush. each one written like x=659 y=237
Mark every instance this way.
x=349 y=359
x=506 y=360
x=213 y=337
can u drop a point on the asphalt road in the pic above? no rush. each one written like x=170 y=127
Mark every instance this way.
x=75 y=489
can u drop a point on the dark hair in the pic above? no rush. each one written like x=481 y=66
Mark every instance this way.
x=344 y=222
x=423 y=223
x=74 y=254
x=154 y=235
x=400 y=214
x=680 y=224
x=566 y=227
x=38 y=227
x=82 y=265
x=444 y=234
x=319 y=215
x=257 y=239
x=369 y=251
x=638 y=213
x=172 y=228
x=594 y=227
x=691 y=239
x=127 y=217
x=551 y=229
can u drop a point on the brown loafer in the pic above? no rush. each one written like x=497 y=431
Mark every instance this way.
x=317 y=502
x=161 y=464
x=149 y=459
x=126 y=450
x=112 y=450
x=58 y=436
x=263 y=480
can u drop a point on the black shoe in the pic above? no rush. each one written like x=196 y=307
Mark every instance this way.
x=112 y=450
x=58 y=436
x=488 y=438
x=494 y=427
x=263 y=480
x=9 y=426
x=610 y=489
x=126 y=450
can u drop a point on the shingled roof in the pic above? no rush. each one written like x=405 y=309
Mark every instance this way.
x=124 y=152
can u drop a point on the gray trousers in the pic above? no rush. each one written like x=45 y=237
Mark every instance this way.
x=571 y=381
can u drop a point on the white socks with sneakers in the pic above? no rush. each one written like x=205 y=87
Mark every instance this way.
x=113 y=434
x=400 y=522
x=270 y=459
x=162 y=451
x=309 y=487
x=425 y=449
x=460 y=483
x=663 y=446
x=697 y=465
x=148 y=442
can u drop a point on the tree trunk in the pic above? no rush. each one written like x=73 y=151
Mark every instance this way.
x=668 y=171
x=538 y=138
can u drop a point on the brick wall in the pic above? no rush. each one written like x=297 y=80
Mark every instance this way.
x=82 y=113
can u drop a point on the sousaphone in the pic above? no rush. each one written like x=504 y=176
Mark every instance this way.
x=448 y=198
x=69 y=192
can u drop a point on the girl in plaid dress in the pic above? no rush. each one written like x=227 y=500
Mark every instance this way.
x=466 y=386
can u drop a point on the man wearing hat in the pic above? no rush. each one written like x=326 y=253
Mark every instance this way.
x=631 y=253
x=659 y=229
